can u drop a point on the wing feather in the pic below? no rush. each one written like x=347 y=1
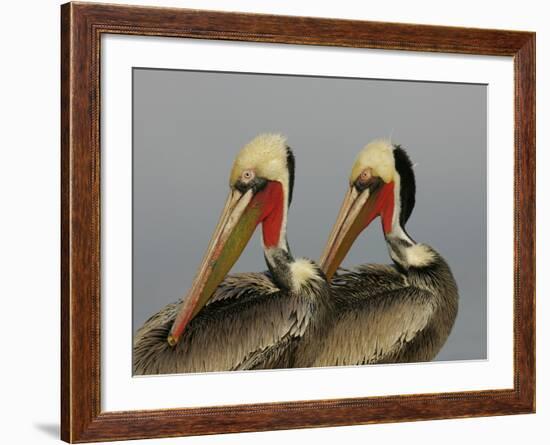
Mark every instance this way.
x=374 y=326
x=248 y=324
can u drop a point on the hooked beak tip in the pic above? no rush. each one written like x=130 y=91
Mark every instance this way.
x=172 y=341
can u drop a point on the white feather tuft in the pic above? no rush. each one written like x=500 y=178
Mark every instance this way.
x=303 y=271
x=419 y=255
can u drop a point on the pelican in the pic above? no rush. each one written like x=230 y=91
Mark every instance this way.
x=247 y=320
x=395 y=313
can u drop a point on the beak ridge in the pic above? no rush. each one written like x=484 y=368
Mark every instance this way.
x=233 y=231
x=358 y=209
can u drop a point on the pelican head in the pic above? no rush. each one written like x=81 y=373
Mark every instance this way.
x=381 y=184
x=260 y=183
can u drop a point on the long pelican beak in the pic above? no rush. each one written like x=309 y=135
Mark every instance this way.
x=356 y=213
x=238 y=220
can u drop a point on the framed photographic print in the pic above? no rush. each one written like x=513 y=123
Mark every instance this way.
x=274 y=222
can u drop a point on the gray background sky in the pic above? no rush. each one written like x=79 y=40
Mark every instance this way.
x=188 y=127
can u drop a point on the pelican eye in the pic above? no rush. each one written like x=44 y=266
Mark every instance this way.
x=248 y=180
x=365 y=175
x=365 y=180
x=247 y=175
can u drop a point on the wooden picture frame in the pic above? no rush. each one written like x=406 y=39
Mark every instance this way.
x=82 y=26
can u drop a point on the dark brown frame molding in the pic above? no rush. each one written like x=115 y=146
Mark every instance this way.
x=82 y=25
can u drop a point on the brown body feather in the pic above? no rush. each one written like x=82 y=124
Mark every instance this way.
x=249 y=323
x=387 y=315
